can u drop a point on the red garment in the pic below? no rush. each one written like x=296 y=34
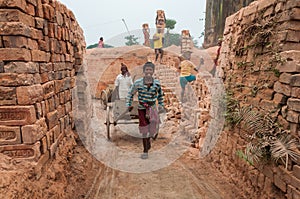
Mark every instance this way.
x=100 y=44
x=145 y=125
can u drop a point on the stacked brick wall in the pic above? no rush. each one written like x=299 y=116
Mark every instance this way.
x=41 y=50
x=260 y=59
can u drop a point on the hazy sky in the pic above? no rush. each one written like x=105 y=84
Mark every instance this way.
x=104 y=18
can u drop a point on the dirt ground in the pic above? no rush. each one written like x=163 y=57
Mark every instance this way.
x=76 y=173
x=79 y=174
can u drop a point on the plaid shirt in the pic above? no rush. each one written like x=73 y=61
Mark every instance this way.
x=145 y=94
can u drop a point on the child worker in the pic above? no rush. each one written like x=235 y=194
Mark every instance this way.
x=149 y=92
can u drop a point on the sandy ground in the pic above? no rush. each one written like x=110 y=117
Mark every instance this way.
x=77 y=173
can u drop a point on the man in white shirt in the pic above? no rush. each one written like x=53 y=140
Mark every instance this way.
x=123 y=82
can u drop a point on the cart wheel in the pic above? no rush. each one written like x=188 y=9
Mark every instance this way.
x=103 y=99
x=108 y=122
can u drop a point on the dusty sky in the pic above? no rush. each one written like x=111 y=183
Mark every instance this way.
x=104 y=18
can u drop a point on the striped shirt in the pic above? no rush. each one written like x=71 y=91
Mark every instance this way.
x=145 y=94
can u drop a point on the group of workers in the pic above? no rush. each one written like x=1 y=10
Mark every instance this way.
x=150 y=96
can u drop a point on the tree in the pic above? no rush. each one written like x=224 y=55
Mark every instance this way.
x=96 y=45
x=170 y=25
x=131 y=40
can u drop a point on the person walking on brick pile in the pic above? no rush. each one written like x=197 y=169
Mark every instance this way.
x=158 y=41
x=186 y=67
x=101 y=43
x=123 y=83
x=149 y=92
x=146 y=32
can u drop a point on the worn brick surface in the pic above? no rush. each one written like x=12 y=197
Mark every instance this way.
x=33 y=133
x=17 y=115
x=8 y=96
x=21 y=67
x=52 y=119
x=10 y=135
x=14 y=15
x=13 y=4
x=29 y=94
x=15 y=54
x=29 y=152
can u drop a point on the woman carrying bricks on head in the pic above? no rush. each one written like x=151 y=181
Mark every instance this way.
x=158 y=42
x=186 y=67
x=149 y=91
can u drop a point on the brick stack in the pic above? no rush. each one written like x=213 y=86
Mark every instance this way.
x=186 y=42
x=41 y=49
x=260 y=59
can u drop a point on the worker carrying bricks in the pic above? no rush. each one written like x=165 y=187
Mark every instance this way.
x=186 y=67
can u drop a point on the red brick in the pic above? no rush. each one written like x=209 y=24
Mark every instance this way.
x=13 y=15
x=285 y=78
x=282 y=88
x=15 y=42
x=51 y=104
x=56 y=132
x=17 y=115
x=8 y=96
x=296 y=92
x=14 y=79
x=32 y=44
x=28 y=152
x=44 y=145
x=295 y=80
x=39 y=9
x=48 y=89
x=29 y=94
x=289 y=46
x=15 y=54
x=33 y=133
x=39 y=56
x=279 y=98
x=10 y=135
x=295 y=13
x=265 y=94
x=265 y=4
x=289 y=66
x=30 y=9
x=293 y=36
x=48 y=12
x=50 y=138
x=13 y=4
x=289 y=25
x=43 y=45
x=294 y=104
x=52 y=119
x=21 y=67
x=292 y=116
